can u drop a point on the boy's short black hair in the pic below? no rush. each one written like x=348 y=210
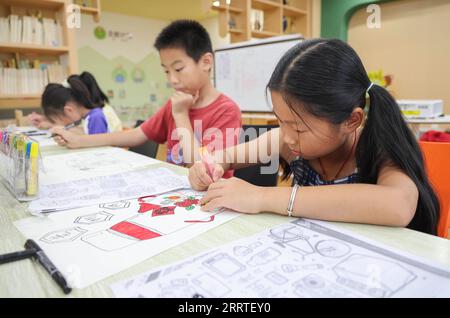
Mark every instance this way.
x=185 y=34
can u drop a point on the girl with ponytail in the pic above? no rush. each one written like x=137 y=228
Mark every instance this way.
x=71 y=102
x=84 y=91
x=101 y=100
x=344 y=140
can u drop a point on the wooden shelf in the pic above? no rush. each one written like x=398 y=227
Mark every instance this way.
x=293 y=12
x=44 y=4
x=95 y=12
x=264 y=34
x=20 y=101
x=89 y=10
x=298 y=13
x=21 y=96
x=229 y=8
x=236 y=31
x=32 y=48
x=66 y=54
x=265 y=5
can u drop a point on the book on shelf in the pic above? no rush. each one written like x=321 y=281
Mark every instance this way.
x=29 y=77
x=257 y=20
x=31 y=30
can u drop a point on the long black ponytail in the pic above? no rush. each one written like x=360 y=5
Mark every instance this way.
x=386 y=139
x=56 y=96
x=329 y=80
x=97 y=95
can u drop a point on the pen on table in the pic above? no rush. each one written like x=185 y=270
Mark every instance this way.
x=33 y=250
x=69 y=126
x=42 y=258
x=42 y=133
x=16 y=256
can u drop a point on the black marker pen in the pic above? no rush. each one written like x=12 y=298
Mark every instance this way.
x=16 y=256
x=48 y=265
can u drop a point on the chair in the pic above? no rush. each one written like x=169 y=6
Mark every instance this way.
x=253 y=174
x=149 y=148
x=437 y=165
x=20 y=119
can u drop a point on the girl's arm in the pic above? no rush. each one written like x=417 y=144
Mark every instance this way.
x=392 y=201
x=126 y=138
x=258 y=150
x=242 y=155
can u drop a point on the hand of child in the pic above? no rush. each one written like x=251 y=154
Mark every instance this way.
x=199 y=177
x=182 y=102
x=66 y=138
x=233 y=194
x=39 y=121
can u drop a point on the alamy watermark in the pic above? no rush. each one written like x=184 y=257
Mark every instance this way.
x=73 y=18
x=374 y=18
x=223 y=146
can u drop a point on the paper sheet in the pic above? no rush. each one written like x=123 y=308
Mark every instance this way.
x=91 y=163
x=95 y=190
x=45 y=140
x=92 y=243
x=39 y=135
x=302 y=258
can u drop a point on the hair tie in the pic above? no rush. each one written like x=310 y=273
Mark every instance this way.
x=368 y=89
x=66 y=84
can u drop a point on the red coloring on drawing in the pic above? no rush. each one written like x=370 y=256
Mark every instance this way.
x=141 y=199
x=135 y=231
x=145 y=207
x=211 y=218
x=164 y=210
x=187 y=202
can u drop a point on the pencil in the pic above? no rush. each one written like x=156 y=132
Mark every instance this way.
x=208 y=160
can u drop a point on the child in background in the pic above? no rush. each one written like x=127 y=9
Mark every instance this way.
x=70 y=102
x=187 y=58
x=345 y=168
x=98 y=98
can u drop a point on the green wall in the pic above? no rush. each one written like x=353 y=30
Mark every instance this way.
x=131 y=100
x=336 y=15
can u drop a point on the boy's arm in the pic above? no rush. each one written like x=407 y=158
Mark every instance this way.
x=181 y=103
x=188 y=142
x=127 y=138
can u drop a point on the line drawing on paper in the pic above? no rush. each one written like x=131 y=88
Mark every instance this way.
x=115 y=205
x=63 y=236
x=158 y=215
x=223 y=265
x=332 y=248
x=265 y=256
x=212 y=286
x=373 y=276
x=94 y=218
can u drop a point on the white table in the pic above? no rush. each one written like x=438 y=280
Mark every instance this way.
x=28 y=279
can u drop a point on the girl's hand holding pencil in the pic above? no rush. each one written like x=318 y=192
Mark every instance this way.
x=66 y=138
x=205 y=172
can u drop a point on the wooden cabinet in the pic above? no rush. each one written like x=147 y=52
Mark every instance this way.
x=64 y=53
x=247 y=19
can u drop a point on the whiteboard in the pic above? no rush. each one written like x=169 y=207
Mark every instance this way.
x=242 y=71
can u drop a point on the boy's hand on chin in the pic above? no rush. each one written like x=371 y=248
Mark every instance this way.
x=182 y=102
